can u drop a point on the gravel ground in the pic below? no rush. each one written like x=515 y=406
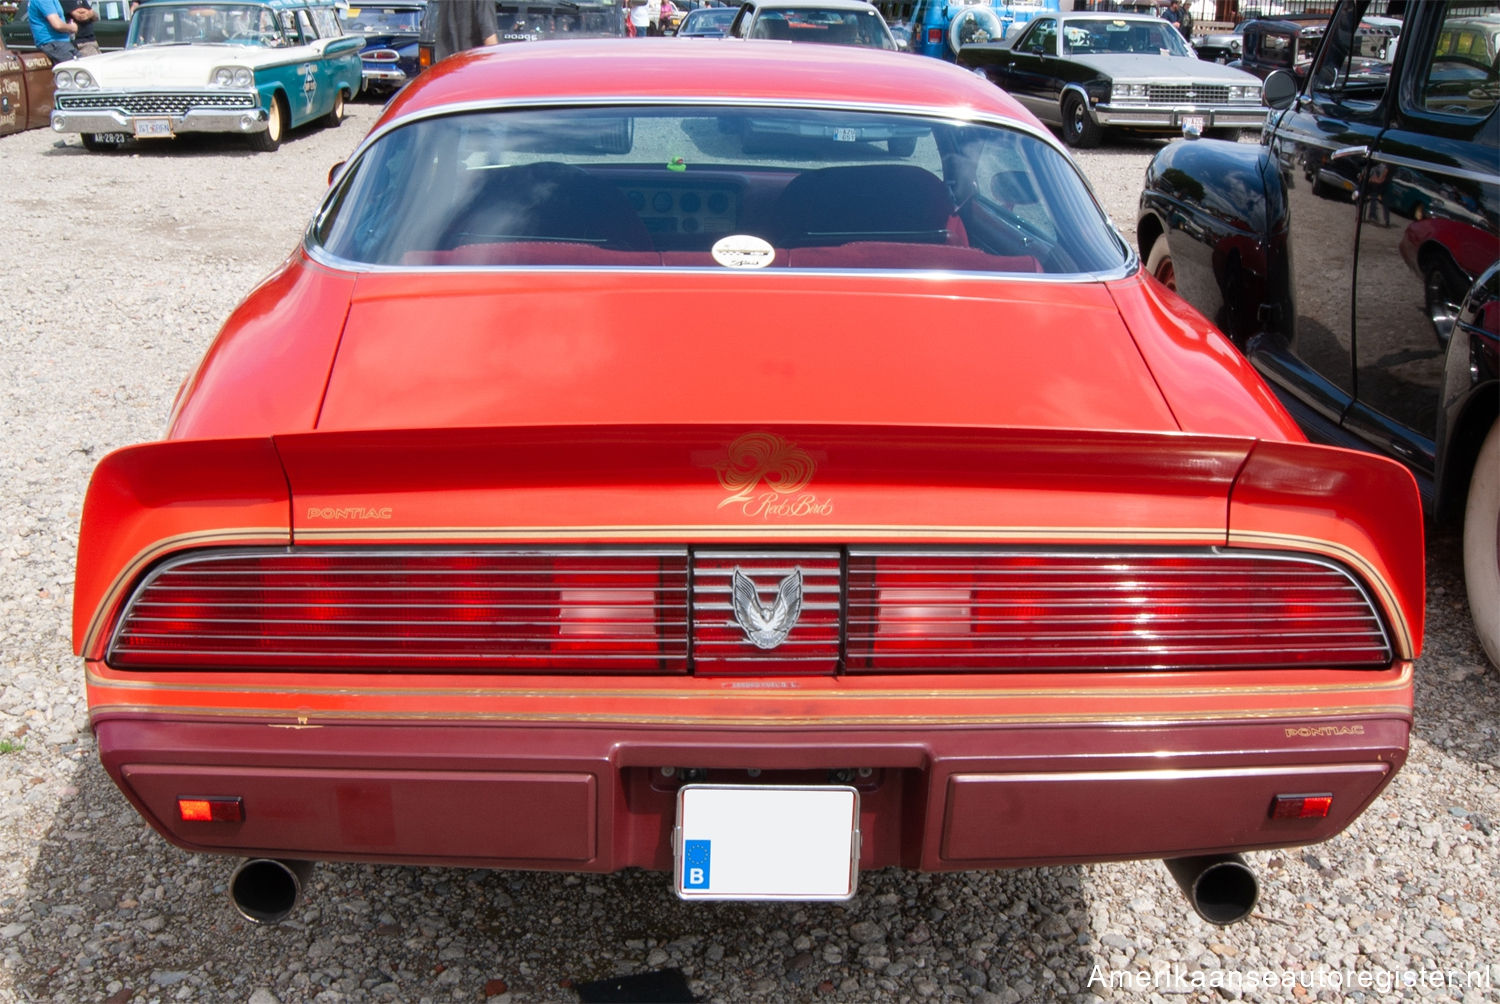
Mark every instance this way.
x=113 y=295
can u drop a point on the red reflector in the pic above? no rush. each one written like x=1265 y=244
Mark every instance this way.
x=1301 y=806
x=211 y=810
x=934 y=35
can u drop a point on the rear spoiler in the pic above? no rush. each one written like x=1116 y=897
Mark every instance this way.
x=713 y=484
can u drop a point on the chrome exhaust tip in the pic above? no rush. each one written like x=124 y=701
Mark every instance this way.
x=265 y=891
x=1221 y=887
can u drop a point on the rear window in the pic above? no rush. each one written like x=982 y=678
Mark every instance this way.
x=716 y=187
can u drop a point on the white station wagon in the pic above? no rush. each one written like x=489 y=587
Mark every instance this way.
x=254 y=68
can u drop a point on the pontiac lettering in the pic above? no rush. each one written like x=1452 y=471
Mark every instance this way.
x=1315 y=731
x=348 y=512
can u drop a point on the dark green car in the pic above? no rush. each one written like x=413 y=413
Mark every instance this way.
x=109 y=30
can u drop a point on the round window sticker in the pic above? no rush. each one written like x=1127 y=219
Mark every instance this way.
x=743 y=251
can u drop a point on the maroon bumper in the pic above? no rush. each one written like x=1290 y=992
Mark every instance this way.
x=590 y=798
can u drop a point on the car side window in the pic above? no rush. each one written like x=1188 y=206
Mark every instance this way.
x=1342 y=78
x=1040 y=41
x=304 y=22
x=1462 y=75
x=327 y=22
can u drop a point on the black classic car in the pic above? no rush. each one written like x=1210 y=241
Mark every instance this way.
x=109 y=29
x=1350 y=256
x=1291 y=43
x=1092 y=72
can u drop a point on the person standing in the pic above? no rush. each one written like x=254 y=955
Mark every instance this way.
x=1173 y=16
x=463 y=24
x=639 y=25
x=51 y=31
x=82 y=13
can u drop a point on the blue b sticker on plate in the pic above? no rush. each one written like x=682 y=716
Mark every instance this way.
x=695 y=855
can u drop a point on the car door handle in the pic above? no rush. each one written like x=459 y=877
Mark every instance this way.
x=1349 y=151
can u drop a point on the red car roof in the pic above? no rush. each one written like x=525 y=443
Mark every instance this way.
x=732 y=69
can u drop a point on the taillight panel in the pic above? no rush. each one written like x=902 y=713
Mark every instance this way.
x=858 y=610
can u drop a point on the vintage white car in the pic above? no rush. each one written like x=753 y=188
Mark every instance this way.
x=254 y=68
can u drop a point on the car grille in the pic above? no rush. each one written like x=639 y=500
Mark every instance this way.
x=153 y=104
x=673 y=610
x=1179 y=94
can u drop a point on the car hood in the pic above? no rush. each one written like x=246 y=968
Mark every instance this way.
x=455 y=350
x=160 y=66
x=1164 y=69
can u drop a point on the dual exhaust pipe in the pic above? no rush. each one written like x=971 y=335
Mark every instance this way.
x=1220 y=887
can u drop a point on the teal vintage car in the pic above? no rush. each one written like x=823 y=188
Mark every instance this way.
x=253 y=67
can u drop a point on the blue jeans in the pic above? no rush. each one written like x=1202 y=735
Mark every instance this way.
x=59 y=52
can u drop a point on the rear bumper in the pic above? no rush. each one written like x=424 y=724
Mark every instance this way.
x=599 y=797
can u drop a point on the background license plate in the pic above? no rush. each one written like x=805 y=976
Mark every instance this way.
x=153 y=127
x=1193 y=122
x=751 y=842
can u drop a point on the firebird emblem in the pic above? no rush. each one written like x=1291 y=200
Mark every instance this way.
x=758 y=457
x=766 y=628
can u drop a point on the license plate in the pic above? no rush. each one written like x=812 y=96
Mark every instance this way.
x=146 y=128
x=753 y=842
x=846 y=135
x=1192 y=123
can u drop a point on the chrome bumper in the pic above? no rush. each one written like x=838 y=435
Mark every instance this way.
x=385 y=78
x=1158 y=117
x=105 y=120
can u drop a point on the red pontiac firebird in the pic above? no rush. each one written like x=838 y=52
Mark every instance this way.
x=760 y=465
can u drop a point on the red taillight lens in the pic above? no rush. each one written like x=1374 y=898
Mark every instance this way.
x=598 y=611
x=211 y=810
x=934 y=36
x=980 y=611
x=1301 y=806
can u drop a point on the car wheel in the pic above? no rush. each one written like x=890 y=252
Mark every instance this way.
x=270 y=139
x=1419 y=213
x=1079 y=130
x=103 y=142
x=1482 y=545
x=335 y=114
x=901 y=146
x=1159 y=263
x=1443 y=288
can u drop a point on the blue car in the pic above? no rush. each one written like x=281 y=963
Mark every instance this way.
x=390 y=31
x=939 y=28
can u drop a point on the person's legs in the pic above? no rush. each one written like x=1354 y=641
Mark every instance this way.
x=59 y=52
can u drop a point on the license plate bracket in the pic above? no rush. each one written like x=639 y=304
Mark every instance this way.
x=766 y=842
x=1193 y=123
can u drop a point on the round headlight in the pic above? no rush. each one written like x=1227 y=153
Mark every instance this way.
x=243 y=77
x=83 y=80
x=224 y=77
x=63 y=80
